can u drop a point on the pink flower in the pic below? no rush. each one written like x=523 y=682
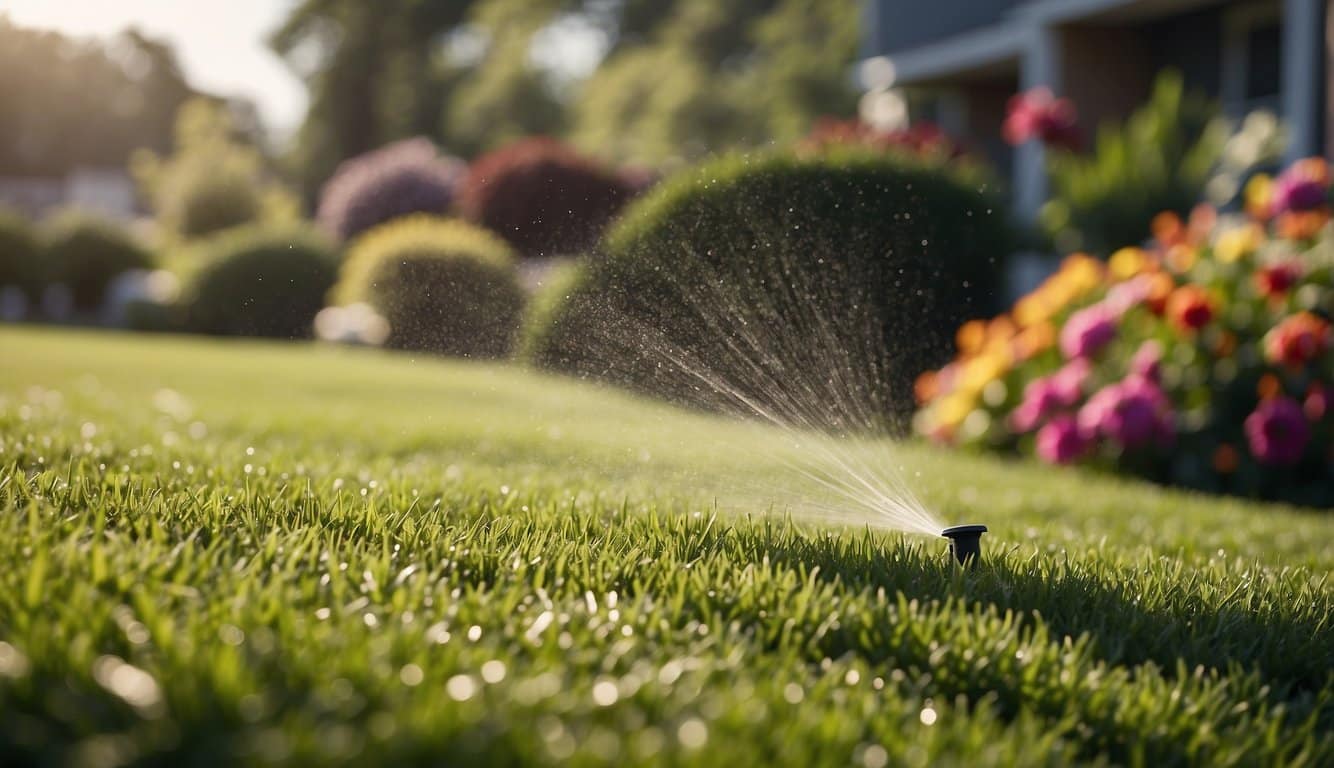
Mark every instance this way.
x=1131 y=413
x=1037 y=114
x=1061 y=441
x=1047 y=395
x=1277 y=431
x=1125 y=296
x=1147 y=361
x=1088 y=331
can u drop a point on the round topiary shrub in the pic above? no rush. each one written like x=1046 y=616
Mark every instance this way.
x=444 y=286
x=85 y=253
x=542 y=196
x=260 y=281
x=20 y=256
x=809 y=289
x=397 y=180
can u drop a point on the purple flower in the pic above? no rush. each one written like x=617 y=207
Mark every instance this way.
x=1068 y=382
x=1061 y=441
x=1147 y=362
x=1301 y=187
x=1277 y=431
x=1131 y=413
x=1088 y=331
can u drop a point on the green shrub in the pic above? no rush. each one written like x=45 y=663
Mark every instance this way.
x=837 y=276
x=85 y=253
x=553 y=291
x=260 y=281
x=213 y=181
x=444 y=286
x=1160 y=160
x=20 y=255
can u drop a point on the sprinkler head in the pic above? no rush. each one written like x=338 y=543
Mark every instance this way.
x=965 y=541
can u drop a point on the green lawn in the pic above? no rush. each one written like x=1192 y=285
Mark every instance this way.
x=216 y=552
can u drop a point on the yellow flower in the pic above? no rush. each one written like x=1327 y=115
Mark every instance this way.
x=1181 y=257
x=1236 y=243
x=952 y=409
x=982 y=370
x=1127 y=262
x=1259 y=196
x=1081 y=273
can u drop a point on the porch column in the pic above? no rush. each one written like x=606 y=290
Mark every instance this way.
x=1303 y=65
x=1040 y=66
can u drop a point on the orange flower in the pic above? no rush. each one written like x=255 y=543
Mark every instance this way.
x=1226 y=459
x=1269 y=387
x=1181 y=257
x=1226 y=344
x=924 y=388
x=1034 y=339
x=1190 y=308
x=1301 y=225
x=1167 y=229
x=1161 y=286
x=970 y=336
x=1081 y=273
x=1297 y=340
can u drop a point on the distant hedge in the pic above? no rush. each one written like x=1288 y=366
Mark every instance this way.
x=86 y=252
x=20 y=255
x=445 y=286
x=812 y=288
x=260 y=280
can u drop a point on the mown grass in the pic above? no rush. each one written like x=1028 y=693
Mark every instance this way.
x=226 y=552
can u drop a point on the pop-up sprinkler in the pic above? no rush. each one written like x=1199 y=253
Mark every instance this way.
x=965 y=541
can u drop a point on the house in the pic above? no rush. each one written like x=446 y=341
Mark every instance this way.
x=106 y=191
x=961 y=60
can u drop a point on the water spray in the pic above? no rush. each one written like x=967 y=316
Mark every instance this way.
x=965 y=542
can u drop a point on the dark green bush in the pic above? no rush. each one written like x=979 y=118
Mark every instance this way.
x=85 y=253
x=20 y=255
x=810 y=288
x=444 y=286
x=260 y=281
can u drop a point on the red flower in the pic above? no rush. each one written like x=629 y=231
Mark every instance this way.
x=1190 y=308
x=1037 y=114
x=1274 y=280
x=1297 y=340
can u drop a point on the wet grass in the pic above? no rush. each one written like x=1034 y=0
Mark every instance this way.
x=216 y=553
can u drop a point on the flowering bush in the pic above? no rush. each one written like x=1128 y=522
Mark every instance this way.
x=400 y=179
x=1037 y=114
x=1205 y=359
x=542 y=196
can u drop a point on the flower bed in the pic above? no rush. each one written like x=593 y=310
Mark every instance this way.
x=1202 y=359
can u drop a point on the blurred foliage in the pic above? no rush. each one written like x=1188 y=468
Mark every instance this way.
x=85 y=253
x=20 y=255
x=750 y=278
x=260 y=280
x=542 y=196
x=69 y=103
x=213 y=180
x=444 y=286
x=1160 y=160
x=678 y=78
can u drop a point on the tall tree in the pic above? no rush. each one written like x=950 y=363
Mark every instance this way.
x=372 y=72
x=69 y=103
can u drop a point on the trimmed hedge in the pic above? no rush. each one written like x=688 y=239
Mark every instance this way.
x=85 y=253
x=444 y=286
x=542 y=196
x=814 y=288
x=267 y=281
x=20 y=255
x=397 y=180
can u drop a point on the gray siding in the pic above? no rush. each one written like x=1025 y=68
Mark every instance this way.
x=899 y=25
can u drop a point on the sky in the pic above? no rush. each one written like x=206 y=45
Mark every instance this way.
x=220 y=43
